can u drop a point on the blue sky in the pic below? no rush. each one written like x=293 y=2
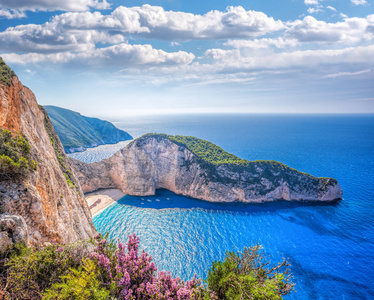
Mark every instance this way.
x=118 y=58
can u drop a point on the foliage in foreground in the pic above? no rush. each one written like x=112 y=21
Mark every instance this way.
x=32 y=271
x=120 y=272
x=15 y=158
x=249 y=275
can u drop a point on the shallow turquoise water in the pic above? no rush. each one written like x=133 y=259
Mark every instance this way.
x=331 y=247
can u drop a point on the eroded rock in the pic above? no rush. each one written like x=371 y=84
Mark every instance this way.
x=155 y=162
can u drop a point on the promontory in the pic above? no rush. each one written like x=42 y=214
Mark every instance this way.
x=197 y=168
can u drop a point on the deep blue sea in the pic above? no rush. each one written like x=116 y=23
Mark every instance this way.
x=330 y=247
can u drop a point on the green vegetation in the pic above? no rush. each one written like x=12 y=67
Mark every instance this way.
x=15 y=157
x=59 y=151
x=6 y=73
x=211 y=158
x=81 y=283
x=100 y=269
x=206 y=151
x=31 y=271
x=249 y=275
x=76 y=131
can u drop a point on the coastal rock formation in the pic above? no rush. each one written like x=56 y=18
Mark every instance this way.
x=49 y=199
x=182 y=165
x=77 y=132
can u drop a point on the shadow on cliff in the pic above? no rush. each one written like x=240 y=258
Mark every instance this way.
x=165 y=199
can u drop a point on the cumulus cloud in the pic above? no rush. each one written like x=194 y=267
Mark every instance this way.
x=311 y=30
x=79 y=30
x=92 y=38
x=358 y=2
x=11 y=14
x=50 y=38
x=52 y=5
x=121 y=55
x=331 y=8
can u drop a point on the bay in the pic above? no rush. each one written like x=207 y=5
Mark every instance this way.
x=330 y=247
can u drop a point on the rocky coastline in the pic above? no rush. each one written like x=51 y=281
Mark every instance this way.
x=157 y=161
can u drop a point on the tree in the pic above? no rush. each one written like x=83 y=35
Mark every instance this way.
x=249 y=275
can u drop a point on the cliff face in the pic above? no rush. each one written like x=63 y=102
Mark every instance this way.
x=154 y=162
x=49 y=199
x=78 y=132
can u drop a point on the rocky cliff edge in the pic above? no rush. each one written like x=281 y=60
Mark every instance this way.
x=157 y=161
x=49 y=199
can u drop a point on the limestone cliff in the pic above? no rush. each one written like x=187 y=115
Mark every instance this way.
x=49 y=198
x=160 y=161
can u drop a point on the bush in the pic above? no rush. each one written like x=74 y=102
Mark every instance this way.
x=122 y=272
x=15 y=157
x=32 y=271
x=248 y=275
x=129 y=275
x=79 y=284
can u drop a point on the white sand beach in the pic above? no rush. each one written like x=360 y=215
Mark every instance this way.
x=99 y=200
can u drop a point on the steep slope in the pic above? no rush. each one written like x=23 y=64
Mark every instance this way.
x=49 y=198
x=200 y=169
x=78 y=132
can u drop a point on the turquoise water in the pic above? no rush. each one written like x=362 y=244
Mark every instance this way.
x=330 y=247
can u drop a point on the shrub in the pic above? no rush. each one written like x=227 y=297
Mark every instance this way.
x=129 y=275
x=32 y=271
x=121 y=272
x=79 y=284
x=15 y=157
x=6 y=73
x=248 y=275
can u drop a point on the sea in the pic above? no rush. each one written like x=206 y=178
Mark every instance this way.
x=330 y=245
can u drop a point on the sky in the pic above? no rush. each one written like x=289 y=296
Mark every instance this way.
x=118 y=58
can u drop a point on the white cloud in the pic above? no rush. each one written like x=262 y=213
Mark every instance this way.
x=313 y=10
x=50 y=38
x=81 y=31
x=121 y=56
x=331 y=8
x=344 y=16
x=236 y=60
x=341 y=74
x=52 y=5
x=311 y=2
x=358 y=2
x=311 y=30
x=11 y=14
x=77 y=38
x=155 y=22
x=262 y=43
